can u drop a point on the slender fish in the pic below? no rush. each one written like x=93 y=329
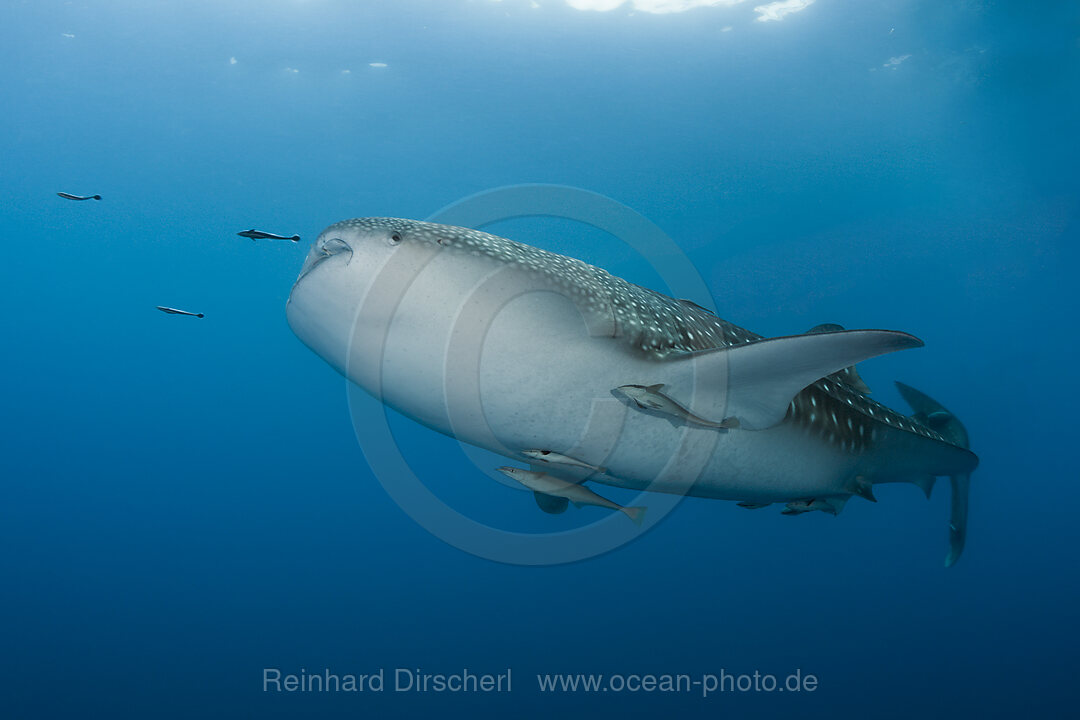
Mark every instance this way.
x=649 y=397
x=550 y=456
x=577 y=494
x=174 y=311
x=260 y=235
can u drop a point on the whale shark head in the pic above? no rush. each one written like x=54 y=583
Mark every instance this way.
x=366 y=266
x=369 y=240
x=340 y=270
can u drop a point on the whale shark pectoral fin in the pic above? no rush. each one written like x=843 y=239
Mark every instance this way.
x=550 y=504
x=850 y=374
x=752 y=505
x=756 y=382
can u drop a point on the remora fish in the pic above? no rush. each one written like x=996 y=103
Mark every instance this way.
x=549 y=456
x=578 y=494
x=260 y=235
x=174 y=311
x=69 y=196
x=507 y=346
x=650 y=398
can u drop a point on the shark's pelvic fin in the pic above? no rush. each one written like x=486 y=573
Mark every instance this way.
x=757 y=381
x=863 y=488
x=935 y=416
x=753 y=505
x=924 y=483
x=831 y=505
x=550 y=504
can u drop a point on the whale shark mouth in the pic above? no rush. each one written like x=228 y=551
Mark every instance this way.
x=323 y=251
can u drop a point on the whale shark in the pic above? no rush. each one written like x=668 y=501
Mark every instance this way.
x=520 y=351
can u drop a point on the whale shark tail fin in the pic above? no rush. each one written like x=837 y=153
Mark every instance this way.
x=934 y=415
x=636 y=513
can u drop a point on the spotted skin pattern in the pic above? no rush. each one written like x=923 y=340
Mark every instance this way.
x=658 y=326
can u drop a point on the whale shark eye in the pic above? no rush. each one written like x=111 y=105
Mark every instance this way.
x=395 y=238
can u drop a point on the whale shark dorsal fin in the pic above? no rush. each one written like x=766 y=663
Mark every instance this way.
x=655 y=388
x=756 y=382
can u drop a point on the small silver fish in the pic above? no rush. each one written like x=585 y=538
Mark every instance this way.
x=69 y=196
x=577 y=494
x=549 y=456
x=649 y=397
x=174 y=311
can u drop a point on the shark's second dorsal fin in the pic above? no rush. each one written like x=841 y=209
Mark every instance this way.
x=756 y=382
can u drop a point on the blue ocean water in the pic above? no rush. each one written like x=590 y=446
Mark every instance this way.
x=185 y=502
